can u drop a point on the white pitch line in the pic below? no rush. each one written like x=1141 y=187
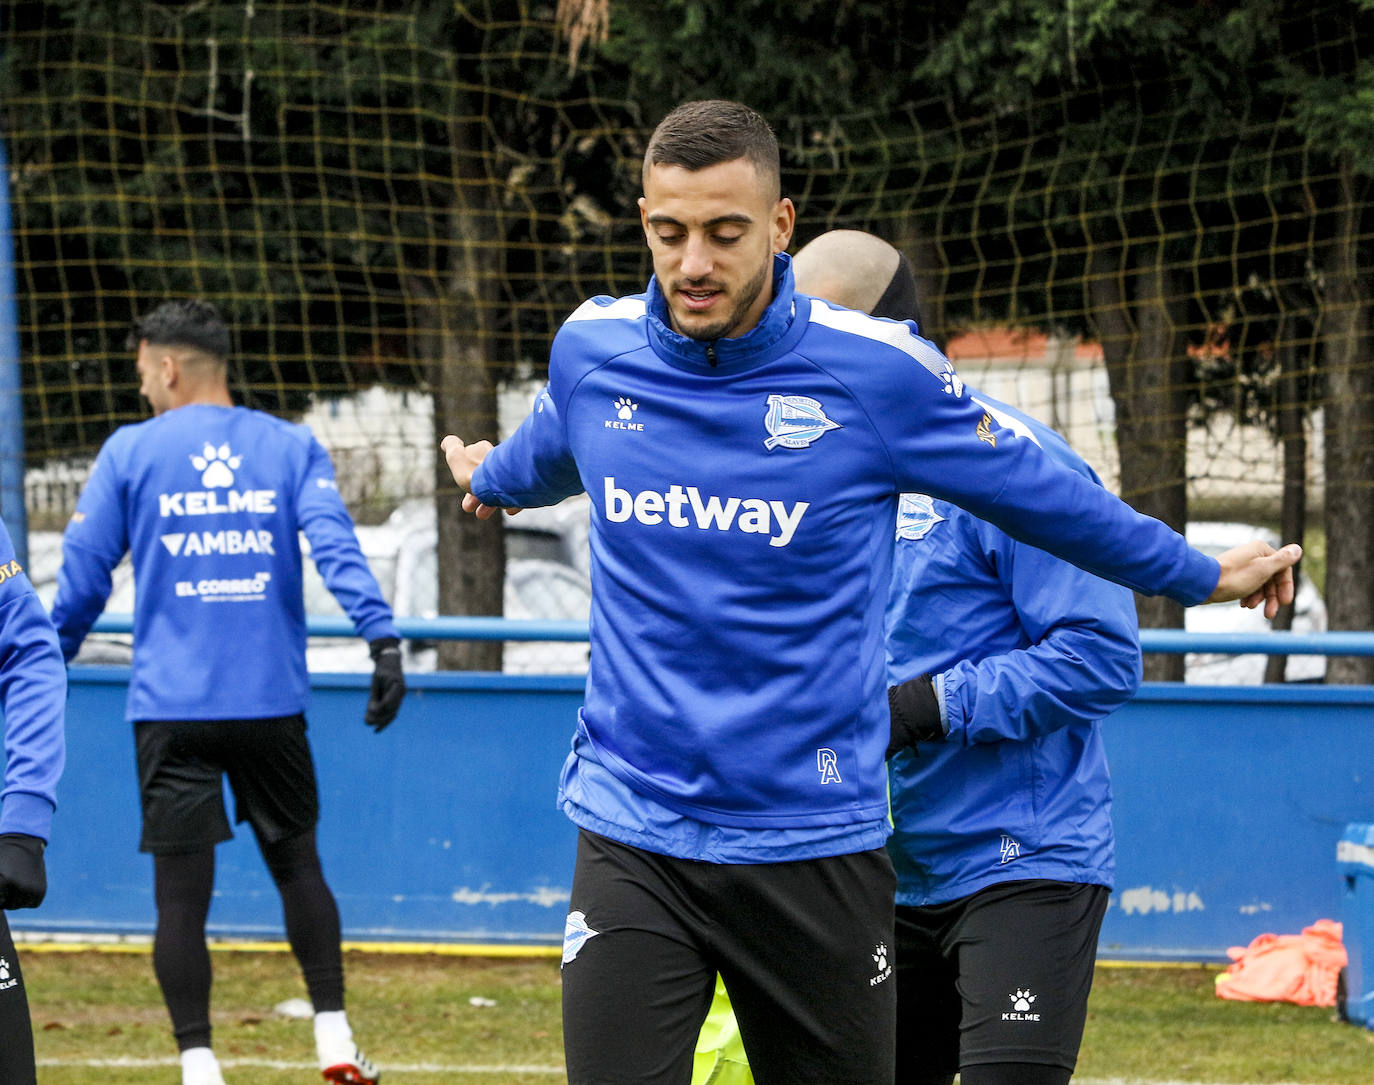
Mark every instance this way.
x=1157 y=1081
x=278 y=1064
x=435 y=1068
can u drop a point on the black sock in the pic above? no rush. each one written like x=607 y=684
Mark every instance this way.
x=182 y=885
x=311 y=917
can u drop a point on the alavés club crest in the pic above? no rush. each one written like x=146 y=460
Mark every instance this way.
x=794 y=422
x=916 y=515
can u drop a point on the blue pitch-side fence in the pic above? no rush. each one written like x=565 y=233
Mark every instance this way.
x=1229 y=803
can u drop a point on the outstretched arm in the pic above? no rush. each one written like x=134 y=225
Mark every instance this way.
x=1255 y=573
x=532 y=467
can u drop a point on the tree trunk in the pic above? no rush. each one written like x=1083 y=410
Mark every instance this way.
x=471 y=553
x=1289 y=411
x=457 y=340
x=1136 y=312
x=1349 y=431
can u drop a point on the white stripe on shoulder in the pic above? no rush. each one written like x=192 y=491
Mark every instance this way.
x=892 y=332
x=620 y=309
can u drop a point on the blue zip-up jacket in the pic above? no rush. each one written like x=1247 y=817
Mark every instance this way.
x=209 y=500
x=743 y=493
x=33 y=695
x=1029 y=654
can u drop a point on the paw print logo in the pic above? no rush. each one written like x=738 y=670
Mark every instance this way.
x=4 y=969
x=880 y=956
x=1021 y=1001
x=216 y=466
x=625 y=410
x=954 y=385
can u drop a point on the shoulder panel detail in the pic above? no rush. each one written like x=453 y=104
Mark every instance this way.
x=619 y=309
x=893 y=333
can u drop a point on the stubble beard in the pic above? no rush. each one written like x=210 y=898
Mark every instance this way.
x=722 y=329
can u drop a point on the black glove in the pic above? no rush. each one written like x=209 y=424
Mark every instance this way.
x=23 y=879
x=915 y=712
x=388 y=683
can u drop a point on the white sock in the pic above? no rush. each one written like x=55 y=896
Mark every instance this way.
x=200 y=1067
x=333 y=1036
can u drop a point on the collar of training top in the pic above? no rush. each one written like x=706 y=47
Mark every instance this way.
x=773 y=336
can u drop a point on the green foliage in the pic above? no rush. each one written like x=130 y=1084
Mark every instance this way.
x=814 y=57
x=306 y=164
x=1002 y=53
x=1193 y=136
x=297 y=163
x=1327 y=76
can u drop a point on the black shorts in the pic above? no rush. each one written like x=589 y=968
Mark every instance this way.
x=181 y=764
x=999 y=976
x=803 y=948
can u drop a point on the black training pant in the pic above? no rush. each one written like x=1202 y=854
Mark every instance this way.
x=998 y=978
x=803 y=948
x=16 y=1029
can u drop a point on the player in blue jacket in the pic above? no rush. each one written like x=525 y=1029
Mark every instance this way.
x=33 y=697
x=208 y=499
x=1003 y=662
x=744 y=447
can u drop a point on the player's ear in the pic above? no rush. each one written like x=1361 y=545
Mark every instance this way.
x=784 y=221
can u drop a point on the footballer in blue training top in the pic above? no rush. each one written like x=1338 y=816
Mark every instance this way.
x=744 y=447
x=33 y=702
x=741 y=545
x=209 y=499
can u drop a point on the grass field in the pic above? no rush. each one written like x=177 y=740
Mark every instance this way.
x=432 y=1017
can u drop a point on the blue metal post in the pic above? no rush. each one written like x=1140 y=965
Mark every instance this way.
x=11 y=386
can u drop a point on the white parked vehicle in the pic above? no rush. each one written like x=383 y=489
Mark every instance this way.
x=1309 y=616
x=546 y=579
x=108 y=649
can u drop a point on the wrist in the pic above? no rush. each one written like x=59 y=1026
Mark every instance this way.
x=382 y=646
x=33 y=843
x=27 y=814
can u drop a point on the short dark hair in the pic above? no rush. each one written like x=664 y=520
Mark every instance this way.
x=696 y=135
x=194 y=324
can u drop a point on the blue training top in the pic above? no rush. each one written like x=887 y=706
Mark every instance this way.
x=743 y=493
x=1029 y=654
x=209 y=501
x=33 y=695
